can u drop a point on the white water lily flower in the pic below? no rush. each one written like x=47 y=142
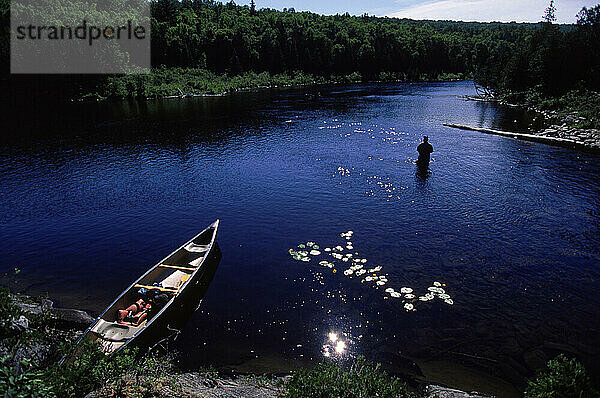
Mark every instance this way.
x=409 y=296
x=395 y=294
x=389 y=290
x=327 y=249
x=437 y=284
x=406 y=290
x=449 y=301
x=409 y=307
x=314 y=252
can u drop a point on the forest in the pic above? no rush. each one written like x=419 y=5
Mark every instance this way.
x=207 y=46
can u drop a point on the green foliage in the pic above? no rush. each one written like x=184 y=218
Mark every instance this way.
x=22 y=381
x=562 y=378
x=90 y=370
x=362 y=380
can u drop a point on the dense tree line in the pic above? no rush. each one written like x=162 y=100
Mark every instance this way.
x=226 y=38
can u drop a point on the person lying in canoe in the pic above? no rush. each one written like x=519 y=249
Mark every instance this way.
x=135 y=313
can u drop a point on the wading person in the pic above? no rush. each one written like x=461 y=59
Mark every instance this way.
x=424 y=150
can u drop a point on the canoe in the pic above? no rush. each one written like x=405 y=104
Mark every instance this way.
x=172 y=280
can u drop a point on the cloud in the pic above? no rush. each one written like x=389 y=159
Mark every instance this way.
x=491 y=10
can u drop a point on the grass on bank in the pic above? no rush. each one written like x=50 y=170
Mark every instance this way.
x=163 y=82
x=363 y=379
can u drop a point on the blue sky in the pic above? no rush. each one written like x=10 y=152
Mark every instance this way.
x=460 y=10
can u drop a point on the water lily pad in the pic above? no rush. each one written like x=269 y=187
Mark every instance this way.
x=310 y=243
x=409 y=296
x=449 y=301
x=395 y=294
x=327 y=249
x=389 y=290
x=348 y=272
x=361 y=272
x=315 y=247
x=444 y=296
x=380 y=283
x=406 y=290
x=305 y=259
x=437 y=284
x=409 y=307
x=314 y=252
x=323 y=263
x=301 y=246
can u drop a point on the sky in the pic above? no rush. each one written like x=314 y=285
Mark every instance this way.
x=458 y=10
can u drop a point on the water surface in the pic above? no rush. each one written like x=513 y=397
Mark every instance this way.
x=511 y=228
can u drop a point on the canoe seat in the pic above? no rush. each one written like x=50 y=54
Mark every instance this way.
x=194 y=248
x=115 y=332
x=190 y=268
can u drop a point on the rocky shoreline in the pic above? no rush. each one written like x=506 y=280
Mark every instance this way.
x=561 y=126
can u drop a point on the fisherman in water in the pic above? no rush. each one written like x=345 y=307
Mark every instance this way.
x=424 y=150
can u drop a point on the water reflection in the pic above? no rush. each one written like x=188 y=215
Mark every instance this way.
x=335 y=345
x=422 y=172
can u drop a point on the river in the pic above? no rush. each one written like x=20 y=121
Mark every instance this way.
x=93 y=194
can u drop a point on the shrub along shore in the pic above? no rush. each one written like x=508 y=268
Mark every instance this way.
x=34 y=336
x=181 y=82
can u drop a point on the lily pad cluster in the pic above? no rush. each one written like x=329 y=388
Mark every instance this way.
x=369 y=274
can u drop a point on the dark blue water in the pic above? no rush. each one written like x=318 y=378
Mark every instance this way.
x=511 y=228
